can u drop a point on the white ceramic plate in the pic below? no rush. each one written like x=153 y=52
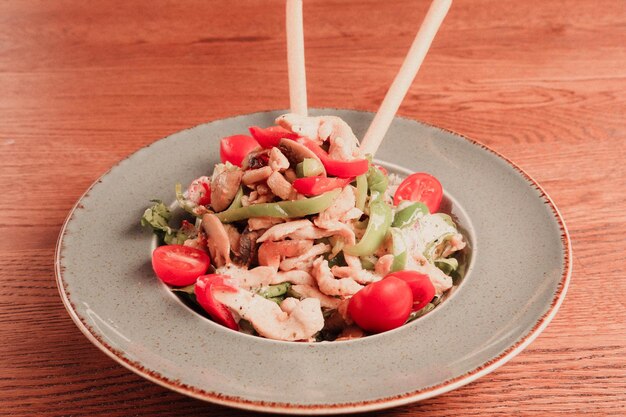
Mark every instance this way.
x=519 y=272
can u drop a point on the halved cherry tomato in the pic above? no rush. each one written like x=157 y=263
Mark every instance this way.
x=421 y=286
x=420 y=187
x=205 y=285
x=235 y=148
x=270 y=136
x=334 y=167
x=381 y=305
x=310 y=186
x=179 y=265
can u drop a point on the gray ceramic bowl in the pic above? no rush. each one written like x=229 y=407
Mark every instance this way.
x=518 y=275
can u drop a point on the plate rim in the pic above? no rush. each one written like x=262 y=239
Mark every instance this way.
x=349 y=407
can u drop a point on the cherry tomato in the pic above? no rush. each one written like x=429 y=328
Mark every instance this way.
x=270 y=136
x=205 y=285
x=420 y=187
x=179 y=265
x=421 y=286
x=310 y=186
x=381 y=305
x=234 y=149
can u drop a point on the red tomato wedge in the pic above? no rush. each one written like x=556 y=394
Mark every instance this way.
x=311 y=186
x=421 y=286
x=381 y=305
x=179 y=265
x=205 y=285
x=420 y=187
x=206 y=198
x=270 y=136
x=334 y=167
x=235 y=148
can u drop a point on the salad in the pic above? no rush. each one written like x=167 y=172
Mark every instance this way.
x=298 y=236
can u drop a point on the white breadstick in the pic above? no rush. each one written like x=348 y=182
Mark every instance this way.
x=295 y=58
x=401 y=84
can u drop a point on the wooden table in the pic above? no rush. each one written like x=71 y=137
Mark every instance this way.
x=84 y=84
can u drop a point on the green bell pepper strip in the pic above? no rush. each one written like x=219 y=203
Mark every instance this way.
x=281 y=209
x=377 y=181
x=408 y=215
x=399 y=250
x=361 y=191
x=377 y=228
x=309 y=167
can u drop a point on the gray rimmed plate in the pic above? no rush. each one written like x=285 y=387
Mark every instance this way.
x=518 y=275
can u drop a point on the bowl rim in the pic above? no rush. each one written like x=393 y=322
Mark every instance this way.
x=348 y=407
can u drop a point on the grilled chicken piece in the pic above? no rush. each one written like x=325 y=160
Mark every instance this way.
x=278 y=161
x=330 y=285
x=311 y=291
x=293 y=320
x=253 y=176
x=304 y=261
x=260 y=223
x=271 y=253
x=280 y=186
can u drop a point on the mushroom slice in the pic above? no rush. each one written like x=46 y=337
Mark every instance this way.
x=296 y=152
x=224 y=187
x=217 y=239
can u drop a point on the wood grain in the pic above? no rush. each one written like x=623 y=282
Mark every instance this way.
x=84 y=84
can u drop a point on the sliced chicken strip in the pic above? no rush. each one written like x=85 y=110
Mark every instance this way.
x=383 y=265
x=261 y=276
x=304 y=261
x=252 y=176
x=294 y=277
x=304 y=126
x=217 y=239
x=278 y=161
x=440 y=280
x=300 y=322
x=258 y=223
x=343 y=143
x=342 y=230
x=280 y=186
x=280 y=231
x=330 y=285
x=311 y=291
x=355 y=271
x=271 y=253
x=343 y=203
